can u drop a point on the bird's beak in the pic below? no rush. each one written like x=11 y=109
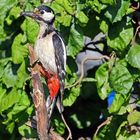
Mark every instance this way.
x=34 y=14
x=29 y=14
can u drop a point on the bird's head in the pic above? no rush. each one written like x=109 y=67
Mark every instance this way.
x=42 y=14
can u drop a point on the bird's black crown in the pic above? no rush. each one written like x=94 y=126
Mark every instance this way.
x=46 y=8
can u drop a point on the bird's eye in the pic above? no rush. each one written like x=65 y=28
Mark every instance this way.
x=42 y=12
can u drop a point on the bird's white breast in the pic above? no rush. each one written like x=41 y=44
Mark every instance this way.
x=44 y=51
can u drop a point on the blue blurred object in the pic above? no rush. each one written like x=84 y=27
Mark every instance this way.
x=110 y=98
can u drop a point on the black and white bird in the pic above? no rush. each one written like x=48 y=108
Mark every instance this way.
x=51 y=55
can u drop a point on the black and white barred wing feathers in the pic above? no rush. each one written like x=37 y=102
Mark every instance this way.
x=60 y=59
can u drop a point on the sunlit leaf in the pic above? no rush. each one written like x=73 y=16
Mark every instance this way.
x=27 y=131
x=67 y=5
x=133 y=117
x=22 y=74
x=117 y=11
x=13 y=14
x=9 y=100
x=76 y=41
x=5 y=6
x=120 y=35
x=111 y=2
x=9 y=75
x=119 y=99
x=31 y=28
x=104 y=26
x=10 y=127
x=71 y=96
x=65 y=20
x=102 y=77
x=19 y=51
x=133 y=56
x=82 y=17
x=120 y=79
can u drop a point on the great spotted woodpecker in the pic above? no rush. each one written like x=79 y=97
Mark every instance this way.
x=51 y=55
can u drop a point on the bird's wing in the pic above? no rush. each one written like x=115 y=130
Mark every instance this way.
x=60 y=59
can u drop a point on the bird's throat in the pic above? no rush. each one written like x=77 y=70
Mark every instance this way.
x=45 y=30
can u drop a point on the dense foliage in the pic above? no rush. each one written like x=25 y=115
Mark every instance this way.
x=86 y=103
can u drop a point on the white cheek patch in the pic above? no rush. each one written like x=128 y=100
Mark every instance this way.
x=48 y=16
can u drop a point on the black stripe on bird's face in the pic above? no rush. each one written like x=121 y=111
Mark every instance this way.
x=42 y=14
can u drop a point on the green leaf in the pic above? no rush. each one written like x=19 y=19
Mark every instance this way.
x=104 y=26
x=2 y=93
x=123 y=124
x=57 y=7
x=88 y=79
x=111 y=2
x=102 y=76
x=20 y=106
x=75 y=118
x=5 y=6
x=67 y=5
x=133 y=56
x=13 y=14
x=133 y=117
x=24 y=100
x=31 y=28
x=9 y=77
x=108 y=131
x=116 y=12
x=129 y=136
x=3 y=63
x=119 y=36
x=19 y=51
x=95 y=5
x=10 y=127
x=82 y=17
x=75 y=42
x=118 y=101
x=22 y=75
x=27 y=131
x=9 y=100
x=120 y=79
x=65 y=19
x=71 y=96
x=30 y=110
x=58 y=125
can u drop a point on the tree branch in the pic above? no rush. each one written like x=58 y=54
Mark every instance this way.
x=107 y=121
x=39 y=99
x=82 y=68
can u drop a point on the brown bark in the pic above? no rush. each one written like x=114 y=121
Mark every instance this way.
x=39 y=98
x=42 y=120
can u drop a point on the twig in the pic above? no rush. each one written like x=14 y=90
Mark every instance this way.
x=70 y=134
x=82 y=68
x=137 y=29
x=107 y=121
x=39 y=99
